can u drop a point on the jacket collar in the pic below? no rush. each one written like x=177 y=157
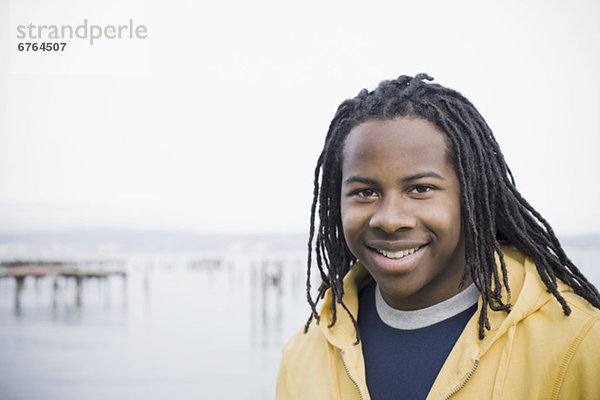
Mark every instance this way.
x=343 y=334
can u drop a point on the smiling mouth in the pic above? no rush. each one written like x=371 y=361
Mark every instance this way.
x=395 y=255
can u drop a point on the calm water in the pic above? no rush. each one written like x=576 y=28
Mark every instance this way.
x=180 y=326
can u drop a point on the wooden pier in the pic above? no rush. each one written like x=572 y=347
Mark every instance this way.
x=20 y=270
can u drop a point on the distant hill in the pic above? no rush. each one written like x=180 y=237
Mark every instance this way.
x=156 y=240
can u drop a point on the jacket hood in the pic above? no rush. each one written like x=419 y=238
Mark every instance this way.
x=527 y=294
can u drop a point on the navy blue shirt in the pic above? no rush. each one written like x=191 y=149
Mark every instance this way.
x=404 y=363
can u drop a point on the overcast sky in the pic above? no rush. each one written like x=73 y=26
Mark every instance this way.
x=215 y=120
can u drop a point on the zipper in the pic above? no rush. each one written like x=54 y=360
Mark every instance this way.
x=462 y=385
x=350 y=376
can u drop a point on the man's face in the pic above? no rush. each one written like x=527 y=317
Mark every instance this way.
x=401 y=211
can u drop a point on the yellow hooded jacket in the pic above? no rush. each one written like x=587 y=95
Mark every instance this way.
x=535 y=352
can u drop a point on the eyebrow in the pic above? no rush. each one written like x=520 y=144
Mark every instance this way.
x=358 y=179
x=428 y=174
x=371 y=181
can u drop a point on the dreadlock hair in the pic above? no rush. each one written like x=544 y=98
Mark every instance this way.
x=493 y=211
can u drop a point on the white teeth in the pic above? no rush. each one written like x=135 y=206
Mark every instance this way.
x=397 y=254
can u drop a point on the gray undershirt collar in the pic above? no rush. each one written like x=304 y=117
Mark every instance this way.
x=416 y=319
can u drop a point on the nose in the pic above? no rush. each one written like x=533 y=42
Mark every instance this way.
x=393 y=214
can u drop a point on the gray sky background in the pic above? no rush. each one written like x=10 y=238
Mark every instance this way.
x=214 y=123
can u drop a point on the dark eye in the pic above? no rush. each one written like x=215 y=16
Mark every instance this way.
x=365 y=193
x=421 y=189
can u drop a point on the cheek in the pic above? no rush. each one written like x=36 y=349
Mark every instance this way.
x=352 y=221
x=347 y=219
x=445 y=217
x=453 y=224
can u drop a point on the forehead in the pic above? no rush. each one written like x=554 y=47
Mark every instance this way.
x=407 y=143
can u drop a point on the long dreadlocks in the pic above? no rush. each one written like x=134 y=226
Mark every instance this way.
x=493 y=211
